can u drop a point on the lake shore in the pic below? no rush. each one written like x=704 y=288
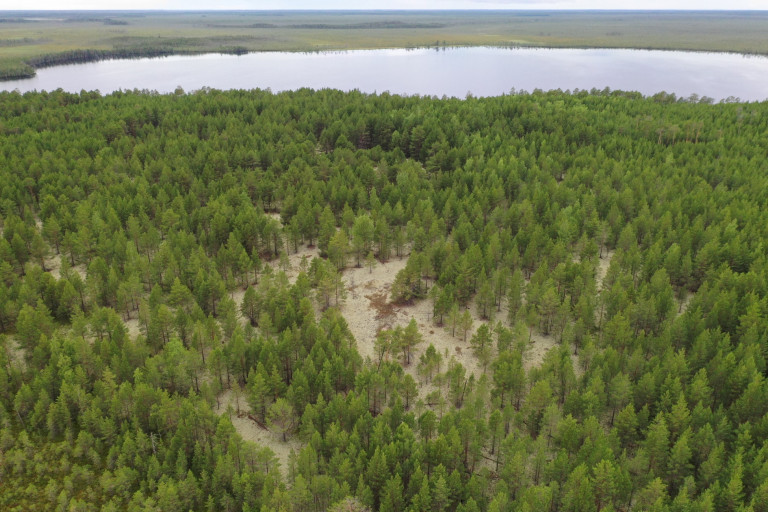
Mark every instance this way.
x=33 y=40
x=450 y=72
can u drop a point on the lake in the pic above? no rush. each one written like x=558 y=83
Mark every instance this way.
x=451 y=72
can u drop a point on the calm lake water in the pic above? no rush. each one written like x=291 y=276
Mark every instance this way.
x=451 y=72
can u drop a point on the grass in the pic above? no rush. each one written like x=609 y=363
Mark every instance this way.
x=40 y=37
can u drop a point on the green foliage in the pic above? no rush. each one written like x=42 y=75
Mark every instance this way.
x=631 y=249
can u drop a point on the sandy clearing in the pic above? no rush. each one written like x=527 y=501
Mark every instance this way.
x=364 y=320
x=537 y=350
x=450 y=347
x=133 y=328
x=361 y=317
x=294 y=261
x=237 y=295
x=250 y=431
x=578 y=370
x=457 y=348
x=53 y=265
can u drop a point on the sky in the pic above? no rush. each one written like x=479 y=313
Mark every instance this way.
x=379 y=4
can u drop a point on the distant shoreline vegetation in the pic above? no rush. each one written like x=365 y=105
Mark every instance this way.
x=34 y=39
x=326 y=26
x=29 y=68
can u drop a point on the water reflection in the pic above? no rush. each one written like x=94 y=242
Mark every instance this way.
x=451 y=72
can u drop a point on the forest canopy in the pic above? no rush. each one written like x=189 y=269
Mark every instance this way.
x=149 y=264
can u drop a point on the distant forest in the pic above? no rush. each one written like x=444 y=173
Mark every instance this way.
x=145 y=252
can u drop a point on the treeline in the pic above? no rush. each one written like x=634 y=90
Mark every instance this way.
x=27 y=68
x=91 y=55
x=157 y=209
x=329 y=26
x=16 y=71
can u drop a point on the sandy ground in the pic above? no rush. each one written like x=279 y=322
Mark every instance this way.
x=53 y=262
x=603 y=264
x=602 y=268
x=538 y=349
x=294 y=260
x=365 y=320
x=15 y=352
x=133 y=327
x=683 y=304
x=53 y=265
x=237 y=295
x=250 y=431
x=362 y=318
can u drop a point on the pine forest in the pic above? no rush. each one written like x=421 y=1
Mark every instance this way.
x=323 y=300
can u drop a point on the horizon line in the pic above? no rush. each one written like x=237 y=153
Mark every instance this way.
x=516 y=9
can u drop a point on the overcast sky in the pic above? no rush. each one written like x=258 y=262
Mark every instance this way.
x=389 y=4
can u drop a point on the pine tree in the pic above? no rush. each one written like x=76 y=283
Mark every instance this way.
x=465 y=324
x=281 y=417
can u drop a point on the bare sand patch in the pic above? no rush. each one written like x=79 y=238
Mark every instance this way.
x=305 y=252
x=367 y=292
x=276 y=216
x=685 y=303
x=249 y=430
x=537 y=350
x=53 y=265
x=237 y=296
x=450 y=347
x=53 y=262
x=578 y=369
x=368 y=310
x=132 y=325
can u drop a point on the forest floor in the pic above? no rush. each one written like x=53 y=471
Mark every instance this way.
x=132 y=324
x=15 y=352
x=53 y=265
x=53 y=261
x=683 y=304
x=602 y=268
x=252 y=431
x=368 y=310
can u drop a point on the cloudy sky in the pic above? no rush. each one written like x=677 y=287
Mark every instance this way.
x=389 y=4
